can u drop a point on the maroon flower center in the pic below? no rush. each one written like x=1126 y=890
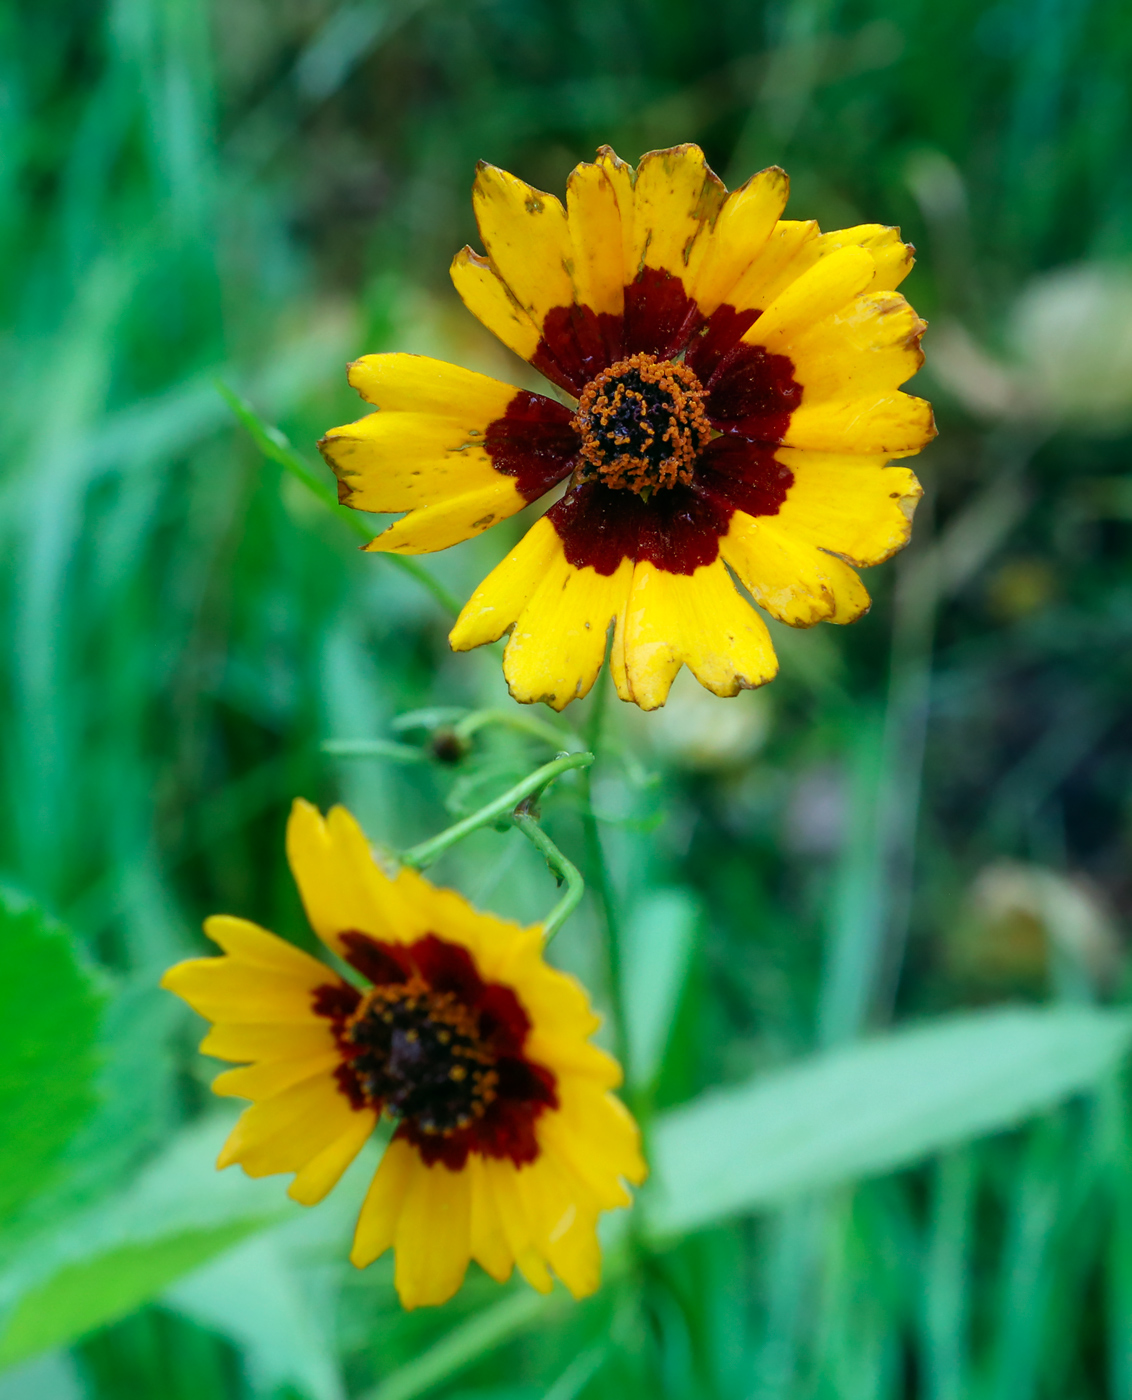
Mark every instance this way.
x=642 y=423
x=438 y=1049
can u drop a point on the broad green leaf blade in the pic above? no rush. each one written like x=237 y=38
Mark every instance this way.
x=49 y=1014
x=100 y=1265
x=870 y=1108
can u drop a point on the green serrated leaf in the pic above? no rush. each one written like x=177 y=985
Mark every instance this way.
x=49 y=1016
x=871 y=1107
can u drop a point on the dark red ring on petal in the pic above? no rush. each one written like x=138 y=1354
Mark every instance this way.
x=534 y=442
x=577 y=344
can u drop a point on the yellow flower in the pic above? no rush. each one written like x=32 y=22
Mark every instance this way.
x=733 y=381
x=508 y=1145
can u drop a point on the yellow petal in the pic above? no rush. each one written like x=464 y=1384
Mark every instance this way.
x=264 y=1080
x=322 y=1173
x=527 y=240
x=594 y=1134
x=433 y=1236
x=794 y=580
x=871 y=346
x=594 y=216
x=507 y=590
x=342 y=888
x=252 y=944
x=504 y=1182
x=377 y=1223
x=488 y=1238
x=677 y=199
x=823 y=289
x=284 y=1133
x=558 y=643
x=856 y=507
x=399 y=383
x=892 y=425
x=486 y=296
x=569 y=1224
x=791 y=249
x=893 y=258
x=697 y=620
x=452 y=520
x=745 y=223
x=269 y=1041
x=620 y=175
x=425 y=452
x=223 y=989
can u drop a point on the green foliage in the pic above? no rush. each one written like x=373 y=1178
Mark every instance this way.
x=882 y=1104
x=49 y=1014
x=95 y=1266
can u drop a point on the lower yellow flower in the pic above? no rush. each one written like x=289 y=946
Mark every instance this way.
x=508 y=1145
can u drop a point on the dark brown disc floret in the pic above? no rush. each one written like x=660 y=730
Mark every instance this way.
x=642 y=424
x=419 y=1053
x=438 y=1049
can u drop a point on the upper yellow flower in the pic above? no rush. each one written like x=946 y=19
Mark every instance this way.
x=733 y=379
x=509 y=1143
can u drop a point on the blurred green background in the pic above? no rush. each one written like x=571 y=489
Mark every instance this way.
x=925 y=819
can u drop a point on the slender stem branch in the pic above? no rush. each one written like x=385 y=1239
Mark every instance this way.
x=524 y=723
x=373 y=748
x=427 y=851
x=599 y=871
x=564 y=871
x=274 y=445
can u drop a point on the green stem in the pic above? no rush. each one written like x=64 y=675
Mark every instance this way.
x=427 y=851
x=564 y=871
x=525 y=724
x=274 y=445
x=373 y=748
x=599 y=871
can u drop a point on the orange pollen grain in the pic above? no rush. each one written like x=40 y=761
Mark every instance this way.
x=642 y=423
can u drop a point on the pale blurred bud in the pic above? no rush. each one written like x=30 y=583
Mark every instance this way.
x=1069 y=354
x=1021 y=913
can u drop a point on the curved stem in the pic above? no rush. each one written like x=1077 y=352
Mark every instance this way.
x=564 y=871
x=427 y=851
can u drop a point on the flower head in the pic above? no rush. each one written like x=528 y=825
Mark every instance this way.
x=508 y=1143
x=732 y=383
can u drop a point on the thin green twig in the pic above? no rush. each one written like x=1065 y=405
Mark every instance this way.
x=534 y=783
x=373 y=748
x=524 y=723
x=275 y=446
x=563 y=870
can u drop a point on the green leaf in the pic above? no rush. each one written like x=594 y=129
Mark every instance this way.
x=177 y=1214
x=870 y=1108
x=49 y=1015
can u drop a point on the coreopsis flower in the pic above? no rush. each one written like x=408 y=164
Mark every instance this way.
x=508 y=1142
x=731 y=407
